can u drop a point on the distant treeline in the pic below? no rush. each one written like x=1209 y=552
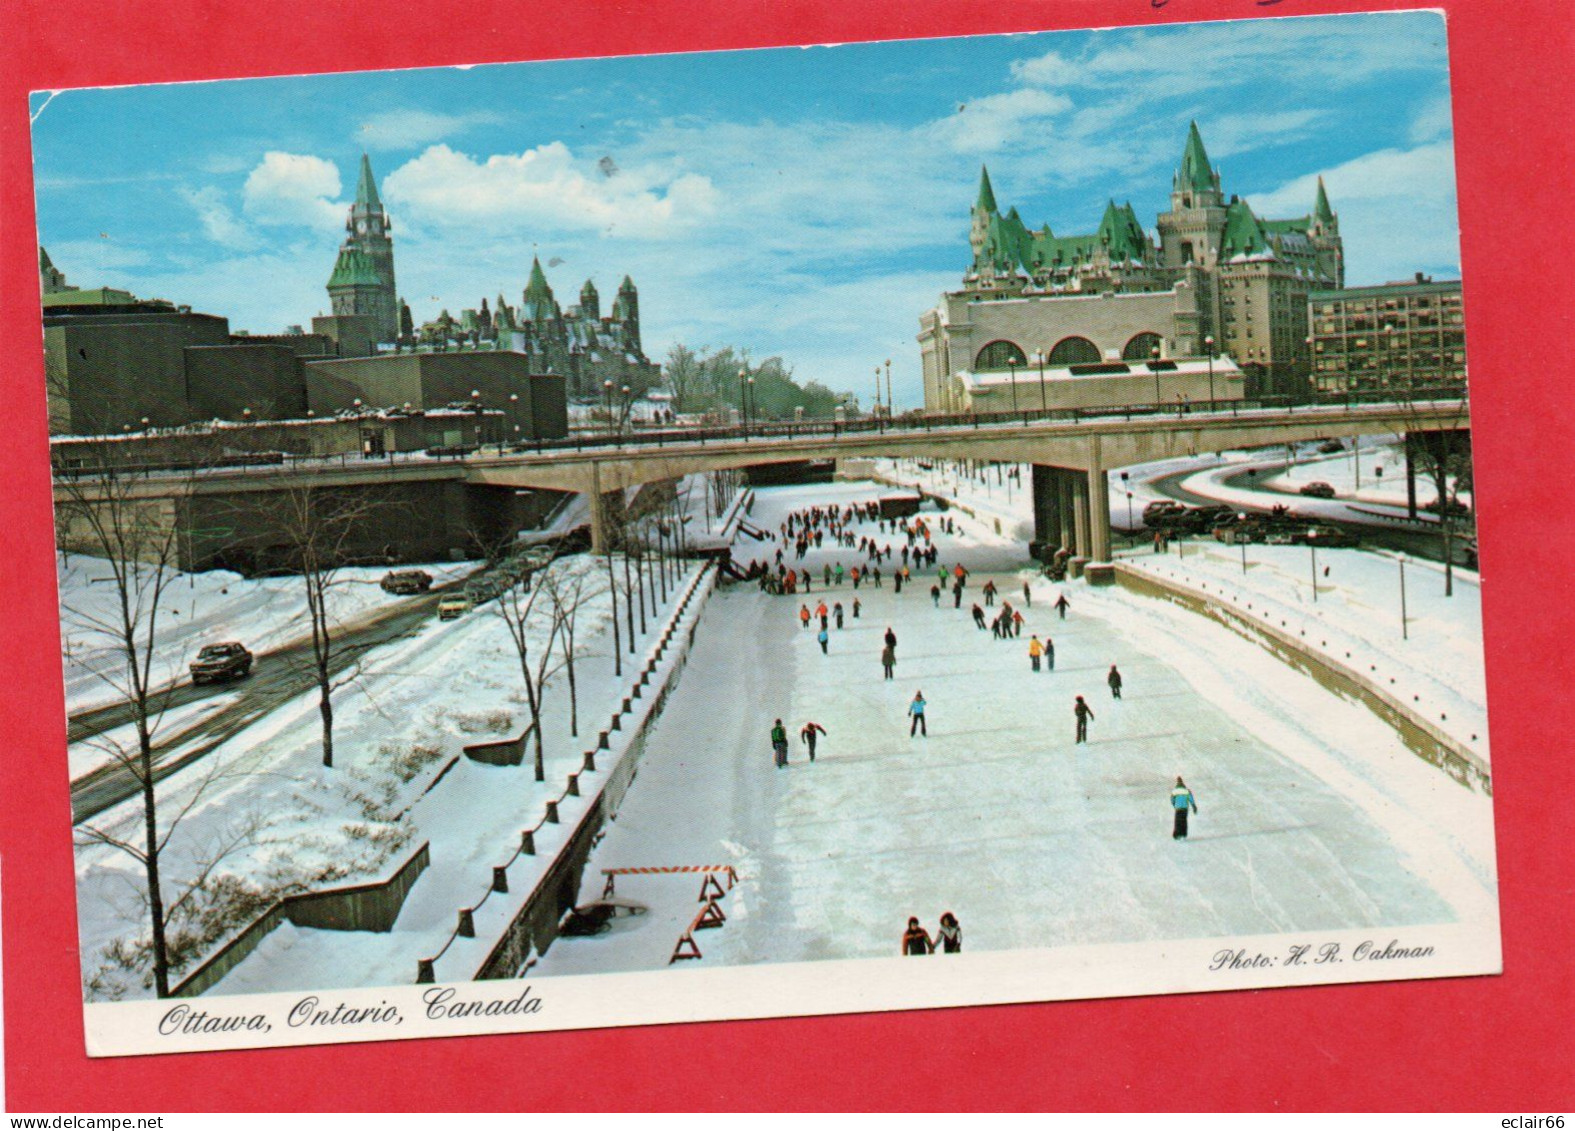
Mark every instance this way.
x=710 y=381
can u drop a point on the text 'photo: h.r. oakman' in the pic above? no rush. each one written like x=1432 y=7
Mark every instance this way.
x=497 y=645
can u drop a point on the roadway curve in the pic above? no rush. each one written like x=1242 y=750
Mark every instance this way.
x=1372 y=529
x=277 y=677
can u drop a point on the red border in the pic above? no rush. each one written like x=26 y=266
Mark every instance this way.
x=1499 y=1044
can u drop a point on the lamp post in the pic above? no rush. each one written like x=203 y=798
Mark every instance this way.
x=743 y=400
x=1314 y=551
x=1405 y=632
x=754 y=405
x=1131 y=526
x=1208 y=345
x=876 y=409
x=1039 y=358
x=1154 y=368
x=888 y=386
x=1011 y=367
x=607 y=388
x=628 y=404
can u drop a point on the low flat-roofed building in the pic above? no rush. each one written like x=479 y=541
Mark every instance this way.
x=1405 y=335
x=1182 y=383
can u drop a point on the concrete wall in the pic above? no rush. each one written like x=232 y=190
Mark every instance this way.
x=113 y=370
x=224 y=381
x=1424 y=739
x=364 y=907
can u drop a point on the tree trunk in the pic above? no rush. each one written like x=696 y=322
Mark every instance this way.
x=325 y=707
x=574 y=701
x=628 y=604
x=161 y=959
x=612 y=591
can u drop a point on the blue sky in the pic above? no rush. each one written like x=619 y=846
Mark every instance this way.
x=807 y=203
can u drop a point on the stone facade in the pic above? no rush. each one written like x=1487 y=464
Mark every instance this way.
x=1217 y=279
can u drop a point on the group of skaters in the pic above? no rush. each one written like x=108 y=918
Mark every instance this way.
x=808 y=528
x=948 y=936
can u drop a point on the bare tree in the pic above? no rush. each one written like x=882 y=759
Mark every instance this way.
x=567 y=590
x=314 y=528
x=1441 y=452
x=516 y=606
x=134 y=526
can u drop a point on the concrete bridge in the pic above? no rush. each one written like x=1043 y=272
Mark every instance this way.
x=1070 y=455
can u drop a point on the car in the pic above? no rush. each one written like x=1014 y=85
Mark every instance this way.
x=404 y=582
x=1454 y=507
x=1318 y=490
x=1159 y=507
x=218 y=662
x=453 y=607
x=596 y=917
x=1331 y=447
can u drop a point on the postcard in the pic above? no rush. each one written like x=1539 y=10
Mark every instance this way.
x=502 y=589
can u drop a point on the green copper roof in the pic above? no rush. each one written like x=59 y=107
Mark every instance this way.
x=1120 y=232
x=1244 y=234
x=366 y=198
x=354 y=268
x=98 y=296
x=588 y=289
x=627 y=286
x=986 y=193
x=1321 y=208
x=43 y=260
x=1195 y=168
x=537 y=288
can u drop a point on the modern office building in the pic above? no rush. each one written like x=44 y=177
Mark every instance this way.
x=1403 y=335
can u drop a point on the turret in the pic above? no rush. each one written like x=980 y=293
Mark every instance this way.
x=1196 y=183
x=626 y=312
x=590 y=301
x=538 y=305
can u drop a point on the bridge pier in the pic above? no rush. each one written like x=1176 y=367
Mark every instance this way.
x=1098 y=490
x=1072 y=510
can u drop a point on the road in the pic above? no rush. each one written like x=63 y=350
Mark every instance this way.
x=1418 y=543
x=277 y=677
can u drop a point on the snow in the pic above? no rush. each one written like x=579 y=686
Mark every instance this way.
x=1313 y=816
x=263 y=613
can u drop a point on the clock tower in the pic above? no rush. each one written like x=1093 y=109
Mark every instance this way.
x=363 y=278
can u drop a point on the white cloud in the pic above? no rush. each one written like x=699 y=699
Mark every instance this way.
x=219 y=222
x=294 y=189
x=995 y=121
x=1396 y=209
x=548 y=187
x=1433 y=120
x=412 y=129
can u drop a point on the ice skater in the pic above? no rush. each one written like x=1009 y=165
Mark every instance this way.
x=808 y=735
x=1036 y=652
x=1062 y=605
x=949 y=934
x=1049 y=654
x=891 y=640
x=836 y=612
x=1181 y=800
x=822 y=637
x=935 y=596
x=779 y=743
x=803 y=615
x=888 y=660
x=856 y=608
x=1114 y=680
x=916 y=940
x=1028 y=596
x=978 y=615
x=1083 y=712
x=916 y=710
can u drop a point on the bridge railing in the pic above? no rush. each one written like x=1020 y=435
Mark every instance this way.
x=917 y=421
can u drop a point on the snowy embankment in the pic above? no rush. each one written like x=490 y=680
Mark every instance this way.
x=263 y=613
x=289 y=824
x=1437 y=666
x=1314 y=814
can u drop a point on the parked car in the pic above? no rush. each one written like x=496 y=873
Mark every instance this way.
x=453 y=607
x=1158 y=509
x=1331 y=447
x=1318 y=490
x=596 y=918
x=404 y=582
x=218 y=662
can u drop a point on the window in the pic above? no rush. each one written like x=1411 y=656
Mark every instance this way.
x=1073 y=351
x=1001 y=354
x=1141 y=347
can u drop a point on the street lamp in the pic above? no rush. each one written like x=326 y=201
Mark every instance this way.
x=876 y=409
x=1131 y=527
x=888 y=386
x=1314 y=550
x=1154 y=368
x=1011 y=367
x=743 y=400
x=754 y=405
x=607 y=387
x=1405 y=632
x=1208 y=345
x=628 y=404
x=1039 y=359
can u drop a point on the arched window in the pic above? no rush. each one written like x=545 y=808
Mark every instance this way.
x=1074 y=351
x=1186 y=251
x=1141 y=347
x=1000 y=354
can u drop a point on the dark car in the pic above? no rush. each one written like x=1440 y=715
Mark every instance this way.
x=404 y=582
x=221 y=662
x=597 y=917
x=1160 y=508
x=1331 y=447
x=1318 y=490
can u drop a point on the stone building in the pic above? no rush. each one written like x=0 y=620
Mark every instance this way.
x=1405 y=335
x=577 y=343
x=1214 y=279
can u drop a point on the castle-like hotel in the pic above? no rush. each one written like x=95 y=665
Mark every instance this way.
x=1220 y=283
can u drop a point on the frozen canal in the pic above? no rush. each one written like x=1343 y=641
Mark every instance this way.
x=1312 y=814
